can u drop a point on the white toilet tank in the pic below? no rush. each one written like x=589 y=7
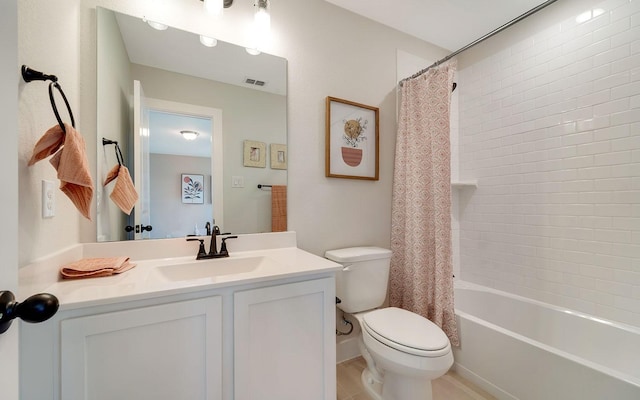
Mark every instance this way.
x=362 y=283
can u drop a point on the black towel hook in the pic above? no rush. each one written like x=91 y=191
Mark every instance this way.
x=119 y=156
x=30 y=75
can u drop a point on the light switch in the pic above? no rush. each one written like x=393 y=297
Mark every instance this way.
x=48 y=199
x=237 y=181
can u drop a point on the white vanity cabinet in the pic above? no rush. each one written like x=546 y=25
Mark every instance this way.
x=284 y=342
x=267 y=340
x=169 y=351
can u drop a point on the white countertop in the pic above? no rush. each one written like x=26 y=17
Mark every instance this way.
x=144 y=281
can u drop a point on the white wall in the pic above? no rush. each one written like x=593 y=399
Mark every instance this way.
x=550 y=127
x=331 y=52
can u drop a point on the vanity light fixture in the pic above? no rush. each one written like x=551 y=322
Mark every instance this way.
x=208 y=41
x=189 y=135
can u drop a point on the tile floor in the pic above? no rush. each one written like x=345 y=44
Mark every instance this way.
x=449 y=387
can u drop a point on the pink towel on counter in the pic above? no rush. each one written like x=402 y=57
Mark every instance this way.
x=70 y=160
x=96 y=267
x=124 y=193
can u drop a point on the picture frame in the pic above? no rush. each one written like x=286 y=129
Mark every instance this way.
x=278 y=156
x=255 y=154
x=352 y=140
x=192 y=186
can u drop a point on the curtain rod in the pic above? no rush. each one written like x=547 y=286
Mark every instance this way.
x=483 y=38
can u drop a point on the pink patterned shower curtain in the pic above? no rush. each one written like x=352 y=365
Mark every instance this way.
x=421 y=277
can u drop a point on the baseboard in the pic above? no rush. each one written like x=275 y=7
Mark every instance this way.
x=483 y=383
x=347 y=349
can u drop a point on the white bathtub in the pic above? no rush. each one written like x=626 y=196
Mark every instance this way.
x=516 y=348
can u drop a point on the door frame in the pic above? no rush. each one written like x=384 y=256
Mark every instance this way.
x=9 y=79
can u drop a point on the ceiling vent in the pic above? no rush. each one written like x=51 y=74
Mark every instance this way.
x=255 y=82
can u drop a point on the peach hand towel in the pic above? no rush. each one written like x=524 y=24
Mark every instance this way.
x=278 y=208
x=96 y=267
x=70 y=160
x=124 y=193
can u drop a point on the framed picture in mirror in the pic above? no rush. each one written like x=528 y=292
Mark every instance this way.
x=278 y=156
x=192 y=189
x=255 y=154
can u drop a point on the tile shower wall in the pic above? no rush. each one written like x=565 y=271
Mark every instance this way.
x=550 y=128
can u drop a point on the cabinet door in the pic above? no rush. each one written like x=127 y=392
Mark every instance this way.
x=170 y=351
x=284 y=346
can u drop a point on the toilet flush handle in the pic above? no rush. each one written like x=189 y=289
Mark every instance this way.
x=345 y=267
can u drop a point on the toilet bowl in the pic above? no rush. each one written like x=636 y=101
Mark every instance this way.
x=405 y=353
x=403 y=350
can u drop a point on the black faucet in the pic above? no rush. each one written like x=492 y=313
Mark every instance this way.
x=213 y=246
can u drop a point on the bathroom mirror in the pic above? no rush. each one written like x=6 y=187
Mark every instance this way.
x=233 y=98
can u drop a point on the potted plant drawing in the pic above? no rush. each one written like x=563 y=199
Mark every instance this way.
x=192 y=189
x=353 y=136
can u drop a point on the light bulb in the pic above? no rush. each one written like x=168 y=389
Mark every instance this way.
x=262 y=18
x=214 y=7
x=261 y=28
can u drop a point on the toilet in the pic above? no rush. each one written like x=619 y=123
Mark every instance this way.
x=403 y=350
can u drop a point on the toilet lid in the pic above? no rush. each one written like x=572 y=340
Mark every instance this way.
x=406 y=331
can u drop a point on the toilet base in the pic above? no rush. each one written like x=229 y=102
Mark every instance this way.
x=396 y=387
x=371 y=385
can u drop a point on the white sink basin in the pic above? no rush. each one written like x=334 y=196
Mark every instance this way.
x=213 y=268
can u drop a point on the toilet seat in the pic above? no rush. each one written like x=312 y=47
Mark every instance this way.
x=407 y=332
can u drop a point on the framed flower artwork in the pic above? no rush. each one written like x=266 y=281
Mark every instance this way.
x=352 y=140
x=192 y=189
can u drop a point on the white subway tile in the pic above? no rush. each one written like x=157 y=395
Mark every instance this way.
x=626 y=197
x=614 y=132
x=595 y=173
x=632 y=224
x=628 y=170
x=597 y=296
x=628 y=143
x=594 y=98
x=625 y=117
x=611 y=81
x=625 y=37
x=612 y=55
x=621 y=157
x=594 y=148
x=611 y=107
x=621 y=25
x=626 y=64
x=611 y=210
x=614 y=236
x=612 y=184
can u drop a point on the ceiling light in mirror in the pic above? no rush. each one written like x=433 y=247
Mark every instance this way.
x=208 y=41
x=189 y=135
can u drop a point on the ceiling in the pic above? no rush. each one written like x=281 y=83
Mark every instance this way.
x=451 y=24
